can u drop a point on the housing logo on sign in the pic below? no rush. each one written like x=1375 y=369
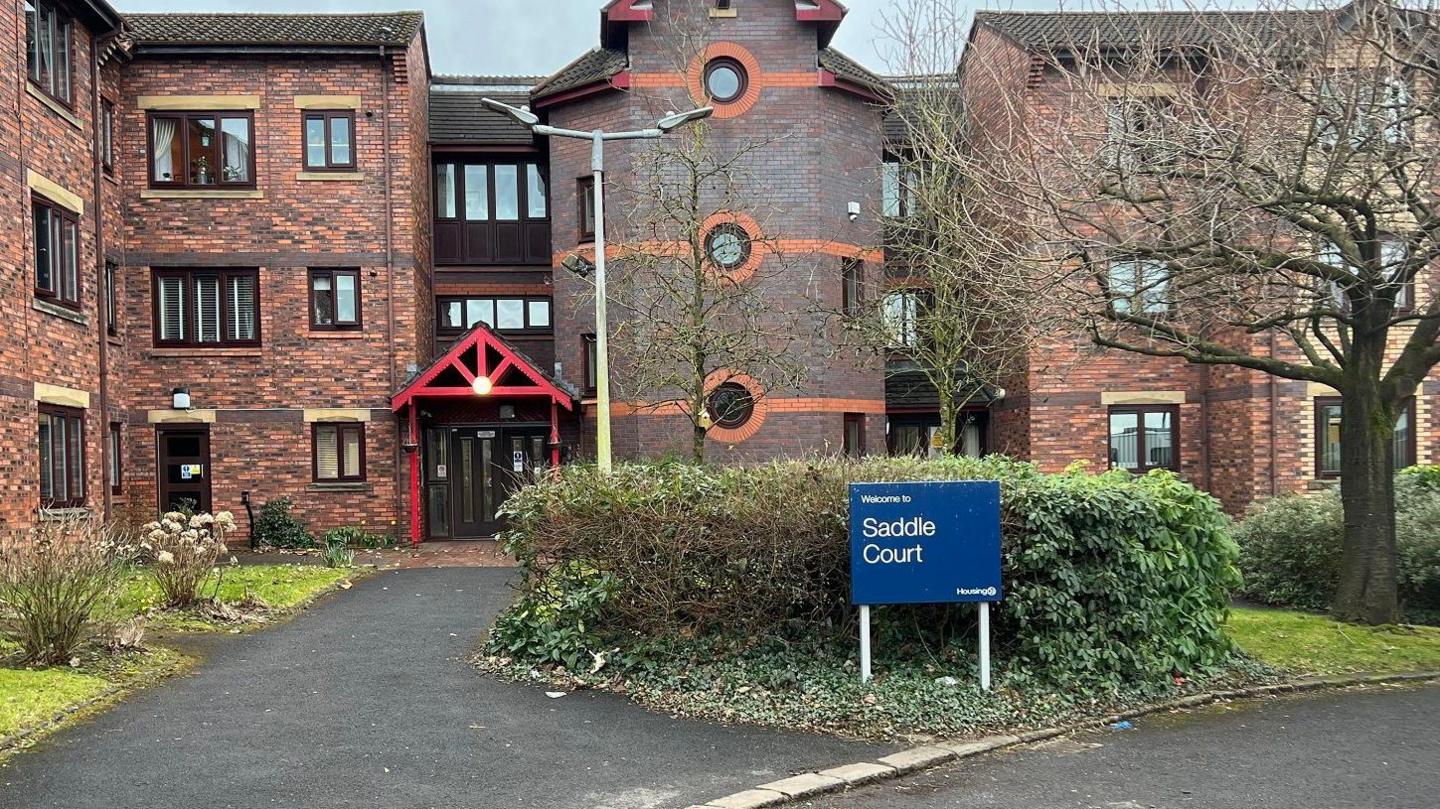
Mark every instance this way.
x=925 y=543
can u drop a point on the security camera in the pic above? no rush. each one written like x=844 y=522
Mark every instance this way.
x=853 y=210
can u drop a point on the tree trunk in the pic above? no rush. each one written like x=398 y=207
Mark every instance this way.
x=697 y=444
x=1367 y=591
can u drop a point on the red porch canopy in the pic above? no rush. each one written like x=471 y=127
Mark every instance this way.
x=480 y=364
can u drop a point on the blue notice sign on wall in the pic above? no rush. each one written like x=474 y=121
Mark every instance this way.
x=925 y=543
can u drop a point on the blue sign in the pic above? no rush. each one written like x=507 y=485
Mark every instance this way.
x=924 y=543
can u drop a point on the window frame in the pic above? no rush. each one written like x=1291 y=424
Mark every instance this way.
x=188 y=276
x=590 y=372
x=912 y=302
x=522 y=189
x=1318 y=406
x=341 y=427
x=183 y=117
x=326 y=116
x=741 y=74
x=335 y=323
x=58 y=218
x=1140 y=411
x=852 y=286
x=585 y=207
x=116 y=472
x=74 y=472
x=849 y=450
x=442 y=301
x=112 y=298
x=107 y=136
x=1139 y=291
x=726 y=423
x=61 y=21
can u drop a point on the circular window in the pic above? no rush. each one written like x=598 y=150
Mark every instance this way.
x=725 y=80
x=728 y=245
x=730 y=405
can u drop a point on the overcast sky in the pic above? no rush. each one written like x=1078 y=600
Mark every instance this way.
x=526 y=36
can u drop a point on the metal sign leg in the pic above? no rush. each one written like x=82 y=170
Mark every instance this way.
x=984 y=645
x=864 y=643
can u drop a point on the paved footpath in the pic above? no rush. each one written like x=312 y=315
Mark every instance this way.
x=367 y=700
x=1376 y=748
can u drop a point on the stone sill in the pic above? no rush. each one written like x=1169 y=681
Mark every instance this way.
x=53 y=105
x=197 y=193
x=331 y=176
x=202 y=352
x=62 y=312
x=341 y=486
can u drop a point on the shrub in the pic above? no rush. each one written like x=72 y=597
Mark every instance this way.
x=1107 y=576
x=54 y=582
x=338 y=552
x=1291 y=546
x=355 y=536
x=277 y=527
x=182 y=551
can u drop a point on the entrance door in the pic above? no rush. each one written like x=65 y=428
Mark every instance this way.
x=490 y=463
x=183 y=459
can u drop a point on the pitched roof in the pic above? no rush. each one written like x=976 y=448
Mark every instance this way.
x=596 y=65
x=458 y=117
x=395 y=28
x=849 y=70
x=1111 y=30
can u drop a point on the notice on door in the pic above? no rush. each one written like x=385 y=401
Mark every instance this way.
x=190 y=471
x=517 y=460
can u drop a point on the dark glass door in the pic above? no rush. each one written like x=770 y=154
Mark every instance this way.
x=488 y=464
x=183 y=458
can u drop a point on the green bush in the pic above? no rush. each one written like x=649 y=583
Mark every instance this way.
x=1291 y=546
x=355 y=536
x=277 y=527
x=1108 y=577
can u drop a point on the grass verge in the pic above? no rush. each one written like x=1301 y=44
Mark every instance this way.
x=1305 y=643
x=274 y=590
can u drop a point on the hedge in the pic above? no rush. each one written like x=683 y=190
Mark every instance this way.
x=1107 y=577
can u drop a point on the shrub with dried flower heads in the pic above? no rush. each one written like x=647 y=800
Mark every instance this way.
x=54 y=582
x=182 y=551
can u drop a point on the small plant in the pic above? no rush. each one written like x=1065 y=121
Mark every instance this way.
x=338 y=552
x=54 y=581
x=356 y=536
x=182 y=551
x=276 y=527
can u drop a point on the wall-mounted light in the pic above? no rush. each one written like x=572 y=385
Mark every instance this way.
x=853 y=211
x=507 y=412
x=482 y=386
x=180 y=398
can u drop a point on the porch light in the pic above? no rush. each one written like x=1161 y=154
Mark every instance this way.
x=180 y=398
x=482 y=386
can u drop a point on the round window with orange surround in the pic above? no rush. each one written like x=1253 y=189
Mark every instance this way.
x=727 y=77
x=732 y=244
x=735 y=406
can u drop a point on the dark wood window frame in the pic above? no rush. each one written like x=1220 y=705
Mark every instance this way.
x=326 y=116
x=585 y=207
x=191 y=314
x=72 y=450
x=442 y=302
x=107 y=135
x=1140 y=411
x=61 y=27
x=341 y=429
x=117 y=467
x=589 y=356
x=741 y=74
x=522 y=189
x=66 y=283
x=852 y=285
x=335 y=324
x=112 y=298
x=1322 y=402
x=182 y=119
x=854 y=449
x=478 y=235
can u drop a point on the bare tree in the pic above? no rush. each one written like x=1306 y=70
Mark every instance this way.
x=1253 y=189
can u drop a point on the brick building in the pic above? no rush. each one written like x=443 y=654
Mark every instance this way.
x=254 y=256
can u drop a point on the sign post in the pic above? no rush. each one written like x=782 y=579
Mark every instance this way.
x=930 y=542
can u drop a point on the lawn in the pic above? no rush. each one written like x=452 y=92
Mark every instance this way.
x=1305 y=643
x=280 y=588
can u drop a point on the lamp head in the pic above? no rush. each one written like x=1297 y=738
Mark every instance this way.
x=678 y=119
x=578 y=265
x=521 y=115
x=180 y=398
x=482 y=386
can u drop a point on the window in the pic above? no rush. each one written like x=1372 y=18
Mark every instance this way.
x=117 y=480
x=854 y=434
x=585 y=201
x=725 y=80
x=512 y=314
x=57 y=248
x=1393 y=255
x=1144 y=438
x=1138 y=285
x=727 y=245
x=1364 y=111
x=490 y=192
x=730 y=405
x=339 y=452
x=112 y=298
x=897 y=188
x=47 y=48
x=334 y=299
x=590 y=354
x=901 y=314
x=201 y=150
x=330 y=140
x=1328 y=420
x=1136 y=132
x=107 y=135
x=62 y=457
x=852 y=284
x=207 y=307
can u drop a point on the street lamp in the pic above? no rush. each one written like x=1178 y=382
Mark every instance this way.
x=597 y=138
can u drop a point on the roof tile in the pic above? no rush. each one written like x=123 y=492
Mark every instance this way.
x=397 y=29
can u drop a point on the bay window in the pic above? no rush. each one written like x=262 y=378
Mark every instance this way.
x=207 y=307
x=202 y=150
x=57 y=253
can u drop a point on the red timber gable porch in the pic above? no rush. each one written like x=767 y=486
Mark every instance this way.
x=478 y=422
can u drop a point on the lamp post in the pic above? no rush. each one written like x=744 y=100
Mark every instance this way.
x=597 y=140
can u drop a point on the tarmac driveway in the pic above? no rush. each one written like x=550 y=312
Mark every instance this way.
x=367 y=700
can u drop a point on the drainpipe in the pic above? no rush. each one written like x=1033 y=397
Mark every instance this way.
x=390 y=292
x=102 y=290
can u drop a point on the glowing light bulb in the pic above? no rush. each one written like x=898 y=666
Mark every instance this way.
x=481 y=386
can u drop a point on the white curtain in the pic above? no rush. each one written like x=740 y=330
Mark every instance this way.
x=164 y=139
